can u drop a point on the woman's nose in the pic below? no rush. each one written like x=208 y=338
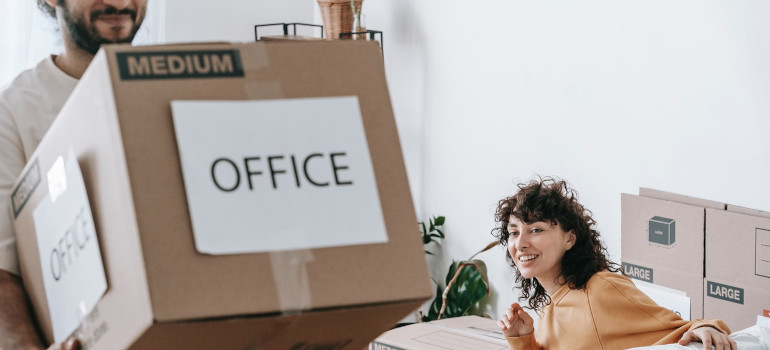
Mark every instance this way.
x=522 y=242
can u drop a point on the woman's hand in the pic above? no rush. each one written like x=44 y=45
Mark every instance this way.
x=516 y=322
x=709 y=336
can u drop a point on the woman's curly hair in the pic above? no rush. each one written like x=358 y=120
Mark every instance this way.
x=553 y=201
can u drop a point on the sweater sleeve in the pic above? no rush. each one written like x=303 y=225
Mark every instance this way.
x=625 y=317
x=524 y=342
x=675 y=335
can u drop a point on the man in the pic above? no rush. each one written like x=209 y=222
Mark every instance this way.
x=28 y=106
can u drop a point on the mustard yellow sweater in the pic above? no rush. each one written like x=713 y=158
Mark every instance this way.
x=610 y=313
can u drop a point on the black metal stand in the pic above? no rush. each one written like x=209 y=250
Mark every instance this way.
x=286 y=28
x=374 y=35
x=371 y=33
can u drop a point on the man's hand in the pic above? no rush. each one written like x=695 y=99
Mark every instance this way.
x=17 y=330
x=709 y=336
x=516 y=322
x=71 y=344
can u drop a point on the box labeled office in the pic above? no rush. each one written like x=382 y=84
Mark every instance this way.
x=163 y=289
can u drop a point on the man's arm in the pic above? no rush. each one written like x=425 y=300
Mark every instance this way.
x=17 y=328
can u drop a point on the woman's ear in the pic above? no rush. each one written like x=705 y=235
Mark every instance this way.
x=571 y=239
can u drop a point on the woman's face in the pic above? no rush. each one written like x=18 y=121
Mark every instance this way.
x=537 y=248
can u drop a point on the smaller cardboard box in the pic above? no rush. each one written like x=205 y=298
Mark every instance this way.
x=736 y=303
x=460 y=333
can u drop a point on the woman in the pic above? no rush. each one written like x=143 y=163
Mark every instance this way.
x=581 y=300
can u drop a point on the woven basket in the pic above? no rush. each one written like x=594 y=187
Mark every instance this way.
x=337 y=16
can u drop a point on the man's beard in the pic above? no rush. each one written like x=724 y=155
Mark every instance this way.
x=88 y=37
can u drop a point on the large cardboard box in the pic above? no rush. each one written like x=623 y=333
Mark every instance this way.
x=460 y=333
x=662 y=237
x=163 y=291
x=737 y=284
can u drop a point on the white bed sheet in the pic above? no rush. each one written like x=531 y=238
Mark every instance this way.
x=756 y=337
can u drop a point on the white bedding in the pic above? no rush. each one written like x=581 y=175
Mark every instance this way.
x=756 y=337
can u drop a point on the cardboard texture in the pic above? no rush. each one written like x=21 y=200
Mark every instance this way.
x=737 y=286
x=738 y=304
x=679 y=198
x=736 y=261
x=747 y=211
x=662 y=242
x=459 y=333
x=738 y=248
x=663 y=275
x=161 y=292
x=648 y=226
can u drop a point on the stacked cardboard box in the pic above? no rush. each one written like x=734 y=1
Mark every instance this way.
x=164 y=290
x=737 y=284
x=719 y=254
x=662 y=238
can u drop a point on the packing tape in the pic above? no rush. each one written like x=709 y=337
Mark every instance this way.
x=291 y=279
x=262 y=90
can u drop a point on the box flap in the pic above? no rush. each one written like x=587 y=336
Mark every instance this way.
x=652 y=193
x=747 y=211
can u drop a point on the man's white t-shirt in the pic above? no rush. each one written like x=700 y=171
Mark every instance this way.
x=28 y=106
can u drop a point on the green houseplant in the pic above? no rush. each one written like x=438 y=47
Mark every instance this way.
x=466 y=282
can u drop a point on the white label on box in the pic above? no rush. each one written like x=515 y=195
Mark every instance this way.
x=277 y=175
x=672 y=299
x=72 y=269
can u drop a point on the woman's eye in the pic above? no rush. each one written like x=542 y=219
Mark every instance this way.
x=514 y=233
x=537 y=230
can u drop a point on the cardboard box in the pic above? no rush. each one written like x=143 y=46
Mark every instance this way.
x=162 y=292
x=672 y=299
x=737 y=285
x=688 y=283
x=738 y=248
x=662 y=237
x=460 y=333
x=738 y=304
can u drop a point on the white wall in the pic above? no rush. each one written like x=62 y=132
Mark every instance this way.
x=609 y=95
x=229 y=20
